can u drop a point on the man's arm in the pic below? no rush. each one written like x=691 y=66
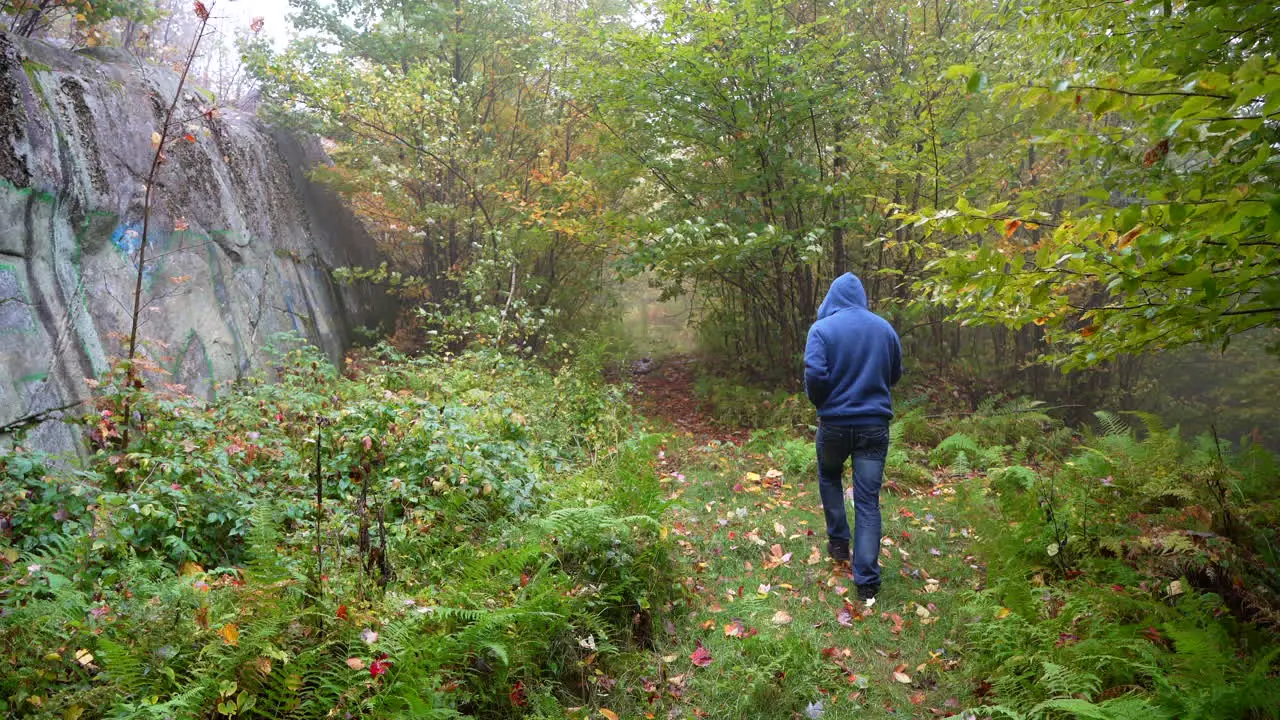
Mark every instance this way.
x=817 y=377
x=895 y=366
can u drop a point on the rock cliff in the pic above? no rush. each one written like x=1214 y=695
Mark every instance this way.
x=241 y=244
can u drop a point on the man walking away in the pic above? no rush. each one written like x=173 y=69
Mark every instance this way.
x=851 y=360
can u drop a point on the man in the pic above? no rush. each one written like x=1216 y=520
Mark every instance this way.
x=851 y=360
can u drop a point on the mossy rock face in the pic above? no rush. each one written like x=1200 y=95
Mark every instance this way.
x=109 y=55
x=13 y=167
x=234 y=220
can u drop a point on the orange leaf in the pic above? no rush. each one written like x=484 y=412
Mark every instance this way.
x=1011 y=227
x=230 y=634
x=611 y=715
x=1129 y=236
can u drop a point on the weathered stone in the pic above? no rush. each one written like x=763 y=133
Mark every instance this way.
x=241 y=244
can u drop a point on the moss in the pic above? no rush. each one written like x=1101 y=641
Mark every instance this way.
x=32 y=67
x=33 y=70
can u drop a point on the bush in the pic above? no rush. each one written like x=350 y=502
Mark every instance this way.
x=179 y=576
x=737 y=405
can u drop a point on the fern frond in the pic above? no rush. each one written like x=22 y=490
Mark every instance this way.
x=1112 y=425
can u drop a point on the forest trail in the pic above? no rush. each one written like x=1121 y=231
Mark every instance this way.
x=772 y=624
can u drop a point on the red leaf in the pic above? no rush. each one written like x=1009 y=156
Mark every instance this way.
x=700 y=657
x=342 y=612
x=379 y=666
x=202 y=12
x=524 y=579
x=517 y=695
x=1156 y=153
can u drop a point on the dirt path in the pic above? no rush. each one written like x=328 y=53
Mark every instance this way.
x=666 y=394
x=773 y=629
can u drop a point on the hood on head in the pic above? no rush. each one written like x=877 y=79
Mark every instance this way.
x=846 y=292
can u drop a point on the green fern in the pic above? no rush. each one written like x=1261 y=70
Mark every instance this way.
x=1112 y=425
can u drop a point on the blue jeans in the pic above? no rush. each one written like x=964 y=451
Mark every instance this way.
x=868 y=445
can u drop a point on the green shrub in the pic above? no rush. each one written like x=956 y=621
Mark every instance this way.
x=737 y=405
x=488 y=519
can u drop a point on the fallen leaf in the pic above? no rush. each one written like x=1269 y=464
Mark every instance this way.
x=611 y=715
x=734 y=629
x=781 y=617
x=845 y=615
x=902 y=677
x=700 y=657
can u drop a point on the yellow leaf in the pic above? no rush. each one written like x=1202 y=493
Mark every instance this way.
x=609 y=713
x=189 y=568
x=73 y=713
x=84 y=657
x=230 y=634
x=155 y=139
x=753 y=477
x=1004 y=613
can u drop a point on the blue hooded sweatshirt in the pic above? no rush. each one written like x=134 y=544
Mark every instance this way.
x=851 y=359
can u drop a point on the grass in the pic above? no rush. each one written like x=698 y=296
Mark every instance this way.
x=771 y=610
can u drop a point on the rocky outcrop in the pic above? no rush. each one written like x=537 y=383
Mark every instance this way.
x=241 y=247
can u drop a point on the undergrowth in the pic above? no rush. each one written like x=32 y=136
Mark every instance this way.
x=488 y=545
